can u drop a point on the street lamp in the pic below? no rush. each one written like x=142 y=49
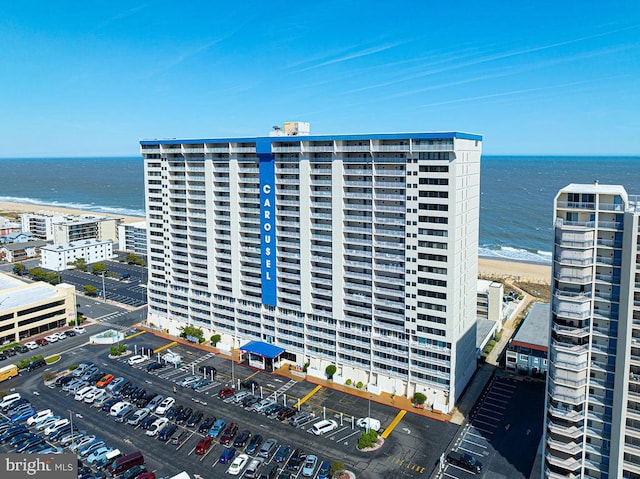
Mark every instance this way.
x=368 y=425
x=104 y=292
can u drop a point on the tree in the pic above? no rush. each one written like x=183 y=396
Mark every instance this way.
x=419 y=398
x=19 y=269
x=79 y=263
x=215 y=339
x=330 y=371
x=190 y=332
x=367 y=439
x=90 y=290
x=134 y=259
x=98 y=268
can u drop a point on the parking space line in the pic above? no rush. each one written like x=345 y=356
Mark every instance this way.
x=251 y=375
x=471 y=451
x=501 y=395
x=482 y=430
x=484 y=422
x=485 y=409
x=464 y=439
x=308 y=396
x=347 y=437
x=394 y=423
x=134 y=335
x=162 y=348
x=499 y=388
x=500 y=383
x=469 y=433
x=486 y=404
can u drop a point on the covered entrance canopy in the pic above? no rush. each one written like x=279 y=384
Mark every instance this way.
x=261 y=355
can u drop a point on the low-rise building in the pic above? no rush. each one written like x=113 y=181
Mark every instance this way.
x=133 y=238
x=19 y=237
x=60 y=228
x=27 y=309
x=57 y=257
x=491 y=301
x=528 y=349
x=12 y=252
x=7 y=226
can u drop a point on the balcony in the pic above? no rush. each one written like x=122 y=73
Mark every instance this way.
x=567 y=414
x=566 y=431
x=571 y=448
x=570 y=464
x=571 y=331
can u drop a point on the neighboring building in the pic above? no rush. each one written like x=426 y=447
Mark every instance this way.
x=491 y=301
x=133 y=238
x=19 y=237
x=528 y=349
x=27 y=309
x=8 y=227
x=12 y=252
x=353 y=250
x=593 y=386
x=60 y=228
x=56 y=257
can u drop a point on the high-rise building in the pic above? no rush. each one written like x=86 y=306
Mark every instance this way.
x=353 y=250
x=592 y=425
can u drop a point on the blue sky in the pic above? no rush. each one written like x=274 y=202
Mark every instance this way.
x=533 y=77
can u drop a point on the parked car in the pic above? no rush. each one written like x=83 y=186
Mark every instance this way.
x=228 y=434
x=200 y=384
x=240 y=395
x=62 y=380
x=41 y=342
x=194 y=419
x=138 y=416
x=217 y=428
x=226 y=392
x=184 y=415
x=22 y=348
x=268 y=447
x=323 y=471
x=273 y=410
x=297 y=457
x=203 y=445
x=166 y=432
x=208 y=371
x=157 y=426
x=154 y=366
x=254 y=444
x=79 y=330
x=31 y=345
x=180 y=438
x=206 y=424
x=137 y=359
x=242 y=438
x=282 y=453
x=238 y=464
x=187 y=381
x=300 y=419
x=165 y=405
x=105 y=380
x=465 y=461
x=286 y=413
x=250 y=384
x=264 y=404
x=250 y=401
x=227 y=455
x=309 y=466
x=173 y=411
x=252 y=469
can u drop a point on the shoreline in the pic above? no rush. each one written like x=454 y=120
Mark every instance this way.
x=13 y=209
x=487 y=266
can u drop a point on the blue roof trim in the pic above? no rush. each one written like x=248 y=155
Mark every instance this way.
x=286 y=139
x=265 y=350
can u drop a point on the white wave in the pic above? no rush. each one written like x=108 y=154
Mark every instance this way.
x=515 y=254
x=77 y=206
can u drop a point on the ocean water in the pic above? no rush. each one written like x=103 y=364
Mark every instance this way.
x=516 y=206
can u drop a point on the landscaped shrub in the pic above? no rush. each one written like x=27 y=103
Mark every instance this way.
x=367 y=439
x=348 y=382
x=360 y=385
x=419 y=398
x=330 y=370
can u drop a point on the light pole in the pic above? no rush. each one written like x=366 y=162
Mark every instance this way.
x=104 y=292
x=369 y=415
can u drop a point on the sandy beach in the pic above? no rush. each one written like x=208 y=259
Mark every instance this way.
x=9 y=209
x=487 y=267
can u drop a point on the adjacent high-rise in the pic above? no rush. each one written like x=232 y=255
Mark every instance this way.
x=592 y=424
x=353 y=250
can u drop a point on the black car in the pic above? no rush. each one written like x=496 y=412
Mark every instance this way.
x=173 y=412
x=110 y=402
x=135 y=471
x=9 y=352
x=21 y=349
x=95 y=377
x=38 y=363
x=3 y=357
x=286 y=413
x=273 y=409
x=144 y=400
x=155 y=365
x=206 y=424
x=242 y=438
x=465 y=461
x=297 y=458
x=147 y=421
x=282 y=453
x=138 y=394
x=184 y=415
x=70 y=333
x=130 y=391
x=62 y=380
x=254 y=444
x=208 y=371
x=166 y=432
x=249 y=384
x=195 y=418
x=250 y=401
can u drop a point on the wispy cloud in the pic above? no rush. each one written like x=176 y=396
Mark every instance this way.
x=119 y=16
x=353 y=56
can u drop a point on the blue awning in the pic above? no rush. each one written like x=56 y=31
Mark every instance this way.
x=265 y=350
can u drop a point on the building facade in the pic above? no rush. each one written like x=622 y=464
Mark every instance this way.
x=133 y=238
x=52 y=226
x=527 y=351
x=353 y=250
x=56 y=257
x=491 y=301
x=27 y=309
x=593 y=385
x=13 y=252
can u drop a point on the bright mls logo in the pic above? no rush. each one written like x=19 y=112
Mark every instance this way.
x=20 y=466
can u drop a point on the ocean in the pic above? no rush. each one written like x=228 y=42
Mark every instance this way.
x=516 y=206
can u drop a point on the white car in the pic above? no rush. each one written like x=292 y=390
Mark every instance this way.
x=164 y=406
x=137 y=359
x=31 y=345
x=97 y=393
x=60 y=336
x=238 y=464
x=55 y=426
x=79 y=330
x=82 y=392
x=52 y=338
x=119 y=406
x=157 y=426
x=39 y=416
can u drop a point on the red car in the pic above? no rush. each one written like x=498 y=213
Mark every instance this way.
x=146 y=475
x=229 y=432
x=226 y=392
x=42 y=342
x=204 y=445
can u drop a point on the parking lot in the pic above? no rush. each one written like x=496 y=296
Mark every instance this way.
x=410 y=451
x=504 y=431
x=131 y=291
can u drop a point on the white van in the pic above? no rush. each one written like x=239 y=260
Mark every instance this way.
x=119 y=406
x=368 y=423
x=82 y=392
x=39 y=415
x=8 y=399
x=324 y=426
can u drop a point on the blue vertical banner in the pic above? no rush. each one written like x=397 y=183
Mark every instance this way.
x=267 y=222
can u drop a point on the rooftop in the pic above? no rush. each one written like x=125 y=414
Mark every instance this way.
x=75 y=244
x=15 y=293
x=534 y=331
x=25 y=245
